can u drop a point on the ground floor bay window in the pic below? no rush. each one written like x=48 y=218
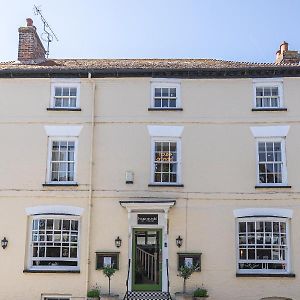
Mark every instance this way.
x=54 y=243
x=263 y=245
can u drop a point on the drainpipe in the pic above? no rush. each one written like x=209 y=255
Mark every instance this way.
x=91 y=162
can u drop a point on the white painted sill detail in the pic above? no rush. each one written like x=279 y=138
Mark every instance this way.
x=54 y=209
x=165 y=131
x=270 y=131
x=62 y=131
x=257 y=211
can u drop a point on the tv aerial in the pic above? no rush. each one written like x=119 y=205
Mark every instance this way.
x=48 y=35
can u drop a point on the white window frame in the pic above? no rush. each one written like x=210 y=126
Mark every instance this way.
x=52 y=268
x=178 y=150
x=65 y=82
x=51 y=139
x=283 y=156
x=166 y=83
x=288 y=252
x=265 y=83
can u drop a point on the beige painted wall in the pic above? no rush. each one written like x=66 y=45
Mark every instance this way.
x=218 y=171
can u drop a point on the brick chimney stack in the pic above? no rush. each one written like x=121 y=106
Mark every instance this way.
x=286 y=56
x=31 y=49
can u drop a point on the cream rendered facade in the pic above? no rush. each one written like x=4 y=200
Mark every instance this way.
x=218 y=171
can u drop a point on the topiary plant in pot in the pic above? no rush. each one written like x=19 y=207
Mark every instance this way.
x=200 y=293
x=185 y=272
x=109 y=271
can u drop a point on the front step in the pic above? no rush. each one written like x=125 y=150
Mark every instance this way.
x=148 y=296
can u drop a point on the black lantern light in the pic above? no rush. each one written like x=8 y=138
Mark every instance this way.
x=4 y=243
x=118 y=242
x=179 y=241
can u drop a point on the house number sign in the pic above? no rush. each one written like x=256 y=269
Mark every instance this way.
x=147 y=219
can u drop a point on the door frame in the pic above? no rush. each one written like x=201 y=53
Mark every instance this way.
x=146 y=287
x=157 y=206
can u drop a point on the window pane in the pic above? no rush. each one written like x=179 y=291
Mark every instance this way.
x=275 y=91
x=173 y=92
x=165 y=92
x=157 y=92
x=58 y=91
x=157 y=103
x=251 y=226
x=73 y=91
x=172 y=103
x=165 y=103
x=259 y=92
x=165 y=177
x=72 y=102
x=58 y=103
x=66 y=91
x=65 y=102
x=242 y=226
x=267 y=91
x=157 y=177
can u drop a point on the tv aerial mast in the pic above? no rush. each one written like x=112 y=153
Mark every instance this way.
x=48 y=35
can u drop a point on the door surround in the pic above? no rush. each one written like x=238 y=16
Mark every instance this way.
x=159 y=207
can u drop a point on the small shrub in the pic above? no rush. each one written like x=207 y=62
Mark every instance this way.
x=200 y=292
x=94 y=293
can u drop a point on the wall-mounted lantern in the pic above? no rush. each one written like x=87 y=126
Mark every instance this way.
x=118 y=242
x=179 y=241
x=4 y=243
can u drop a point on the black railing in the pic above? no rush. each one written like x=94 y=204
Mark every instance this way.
x=127 y=280
x=167 y=265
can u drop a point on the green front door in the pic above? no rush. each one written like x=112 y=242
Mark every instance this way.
x=146 y=259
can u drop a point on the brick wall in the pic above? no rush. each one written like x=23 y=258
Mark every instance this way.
x=31 y=49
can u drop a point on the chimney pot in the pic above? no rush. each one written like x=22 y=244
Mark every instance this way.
x=284 y=47
x=286 y=56
x=29 y=22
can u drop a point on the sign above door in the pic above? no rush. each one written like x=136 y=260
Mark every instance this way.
x=147 y=219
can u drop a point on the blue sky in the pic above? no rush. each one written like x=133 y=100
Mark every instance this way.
x=243 y=30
